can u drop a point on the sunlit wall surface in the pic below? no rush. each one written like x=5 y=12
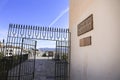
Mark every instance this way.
x=101 y=60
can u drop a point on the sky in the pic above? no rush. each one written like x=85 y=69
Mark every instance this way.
x=46 y=44
x=51 y=13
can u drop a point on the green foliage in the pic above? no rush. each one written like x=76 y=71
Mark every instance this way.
x=1 y=55
x=15 y=57
x=64 y=57
x=44 y=55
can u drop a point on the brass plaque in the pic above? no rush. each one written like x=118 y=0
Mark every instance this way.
x=85 y=26
x=85 y=41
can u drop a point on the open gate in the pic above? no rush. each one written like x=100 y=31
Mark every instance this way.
x=21 y=48
x=22 y=66
x=62 y=62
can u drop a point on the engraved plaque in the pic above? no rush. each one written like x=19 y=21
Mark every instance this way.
x=85 y=41
x=85 y=26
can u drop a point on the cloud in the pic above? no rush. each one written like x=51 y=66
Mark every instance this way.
x=59 y=16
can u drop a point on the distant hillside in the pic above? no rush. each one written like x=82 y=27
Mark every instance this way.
x=52 y=49
x=47 y=49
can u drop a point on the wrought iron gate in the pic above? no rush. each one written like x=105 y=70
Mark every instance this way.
x=62 y=62
x=21 y=39
x=22 y=65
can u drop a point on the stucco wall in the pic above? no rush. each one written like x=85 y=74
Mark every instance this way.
x=101 y=60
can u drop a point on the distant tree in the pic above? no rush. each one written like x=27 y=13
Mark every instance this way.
x=15 y=57
x=64 y=57
x=44 y=55
x=1 y=55
x=29 y=52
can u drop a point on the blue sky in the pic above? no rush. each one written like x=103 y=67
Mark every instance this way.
x=53 y=13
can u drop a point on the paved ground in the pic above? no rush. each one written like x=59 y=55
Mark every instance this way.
x=44 y=70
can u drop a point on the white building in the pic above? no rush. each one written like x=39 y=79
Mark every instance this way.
x=11 y=51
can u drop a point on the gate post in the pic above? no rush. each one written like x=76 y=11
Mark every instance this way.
x=20 y=59
x=34 y=60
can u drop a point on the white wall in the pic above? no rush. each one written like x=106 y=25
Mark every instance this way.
x=101 y=60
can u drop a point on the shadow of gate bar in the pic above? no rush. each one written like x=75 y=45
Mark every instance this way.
x=15 y=36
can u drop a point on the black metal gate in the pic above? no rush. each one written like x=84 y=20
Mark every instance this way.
x=21 y=46
x=22 y=66
x=62 y=64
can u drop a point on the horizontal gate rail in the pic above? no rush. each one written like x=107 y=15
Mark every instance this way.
x=36 y=32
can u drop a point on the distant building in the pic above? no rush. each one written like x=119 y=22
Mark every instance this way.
x=10 y=50
x=50 y=53
x=2 y=46
x=32 y=52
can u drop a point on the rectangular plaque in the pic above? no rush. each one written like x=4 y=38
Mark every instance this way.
x=85 y=41
x=85 y=26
